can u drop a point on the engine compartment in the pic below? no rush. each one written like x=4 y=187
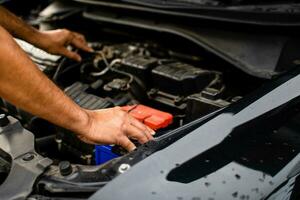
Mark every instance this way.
x=167 y=82
x=136 y=74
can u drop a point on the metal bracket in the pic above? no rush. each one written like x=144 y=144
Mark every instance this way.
x=26 y=164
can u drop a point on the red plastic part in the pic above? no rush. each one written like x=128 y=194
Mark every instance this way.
x=151 y=117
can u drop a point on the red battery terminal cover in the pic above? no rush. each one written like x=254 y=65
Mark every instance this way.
x=153 y=118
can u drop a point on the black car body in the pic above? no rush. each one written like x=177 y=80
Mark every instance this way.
x=227 y=72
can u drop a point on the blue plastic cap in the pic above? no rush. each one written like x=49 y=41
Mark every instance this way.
x=103 y=154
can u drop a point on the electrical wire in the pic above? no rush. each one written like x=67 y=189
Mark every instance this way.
x=108 y=65
x=59 y=67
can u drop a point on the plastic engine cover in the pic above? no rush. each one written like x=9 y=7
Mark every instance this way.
x=180 y=78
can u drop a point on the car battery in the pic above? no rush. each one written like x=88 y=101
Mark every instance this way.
x=180 y=78
x=151 y=117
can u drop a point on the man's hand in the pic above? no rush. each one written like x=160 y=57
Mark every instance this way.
x=114 y=126
x=54 y=42
x=57 y=41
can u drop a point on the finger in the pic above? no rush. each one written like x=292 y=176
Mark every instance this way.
x=80 y=43
x=151 y=130
x=79 y=36
x=70 y=54
x=127 y=144
x=143 y=128
x=137 y=134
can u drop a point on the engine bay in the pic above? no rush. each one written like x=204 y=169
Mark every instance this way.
x=162 y=91
x=170 y=86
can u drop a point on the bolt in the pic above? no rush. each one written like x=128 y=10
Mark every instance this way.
x=123 y=168
x=28 y=157
x=88 y=159
x=59 y=143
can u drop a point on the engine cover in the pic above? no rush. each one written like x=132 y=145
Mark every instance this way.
x=180 y=78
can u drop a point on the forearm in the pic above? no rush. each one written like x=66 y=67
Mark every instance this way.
x=29 y=89
x=17 y=27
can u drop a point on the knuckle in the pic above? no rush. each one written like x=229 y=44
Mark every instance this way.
x=118 y=111
x=65 y=30
x=124 y=115
x=143 y=139
x=80 y=36
x=124 y=127
x=124 y=142
x=143 y=127
x=118 y=108
x=119 y=142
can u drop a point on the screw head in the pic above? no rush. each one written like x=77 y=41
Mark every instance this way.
x=28 y=157
x=124 y=167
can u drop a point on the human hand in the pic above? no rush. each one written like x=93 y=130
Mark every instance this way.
x=57 y=41
x=115 y=126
